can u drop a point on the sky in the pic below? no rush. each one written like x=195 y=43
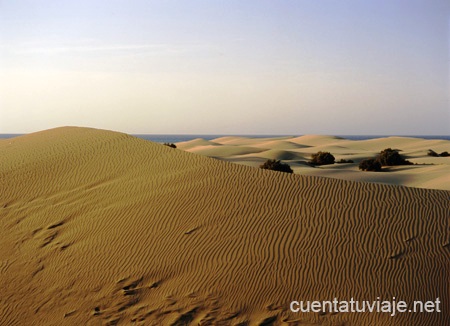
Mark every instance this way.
x=226 y=67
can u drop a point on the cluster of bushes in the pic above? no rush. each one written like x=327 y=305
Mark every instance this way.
x=434 y=154
x=276 y=165
x=171 y=145
x=322 y=158
x=387 y=157
x=370 y=164
x=344 y=161
x=391 y=157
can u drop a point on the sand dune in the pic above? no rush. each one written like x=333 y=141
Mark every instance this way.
x=221 y=148
x=279 y=145
x=314 y=140
x=99 y=227
x=278 y=154
x=195 y=143
x=428 y=172
x=225 y=150
x=239 y=141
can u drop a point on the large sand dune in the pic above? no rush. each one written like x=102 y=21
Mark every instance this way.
x=99 y=227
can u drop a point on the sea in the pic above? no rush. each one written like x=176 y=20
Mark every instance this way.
x=173 y=138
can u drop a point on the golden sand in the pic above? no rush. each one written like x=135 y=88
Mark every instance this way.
x=99 y=227
x=427 y=172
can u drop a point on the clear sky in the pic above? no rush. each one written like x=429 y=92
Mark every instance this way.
x=226 y=67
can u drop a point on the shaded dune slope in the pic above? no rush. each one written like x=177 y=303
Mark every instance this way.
x=99 y=227
x=278 y=154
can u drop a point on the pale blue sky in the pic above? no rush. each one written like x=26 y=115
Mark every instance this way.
x=226 y=67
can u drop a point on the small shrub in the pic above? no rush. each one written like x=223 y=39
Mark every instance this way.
x=322 y=158
x=276 y=165
x=391 y=157
x=370 y=164
x=345 y=161
x=171 y=145
x=434 y=154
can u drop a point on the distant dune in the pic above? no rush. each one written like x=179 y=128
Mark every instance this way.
x=427 y=172
x=98 y=227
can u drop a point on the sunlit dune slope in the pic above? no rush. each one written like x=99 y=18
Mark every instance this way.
x=98 y=227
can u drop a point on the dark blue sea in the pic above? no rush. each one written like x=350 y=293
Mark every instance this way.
x=162 y=138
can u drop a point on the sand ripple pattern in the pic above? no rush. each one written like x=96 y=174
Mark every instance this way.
x=98 y=227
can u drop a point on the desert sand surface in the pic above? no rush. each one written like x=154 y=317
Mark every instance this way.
x=427 y=172
x=102 y=228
